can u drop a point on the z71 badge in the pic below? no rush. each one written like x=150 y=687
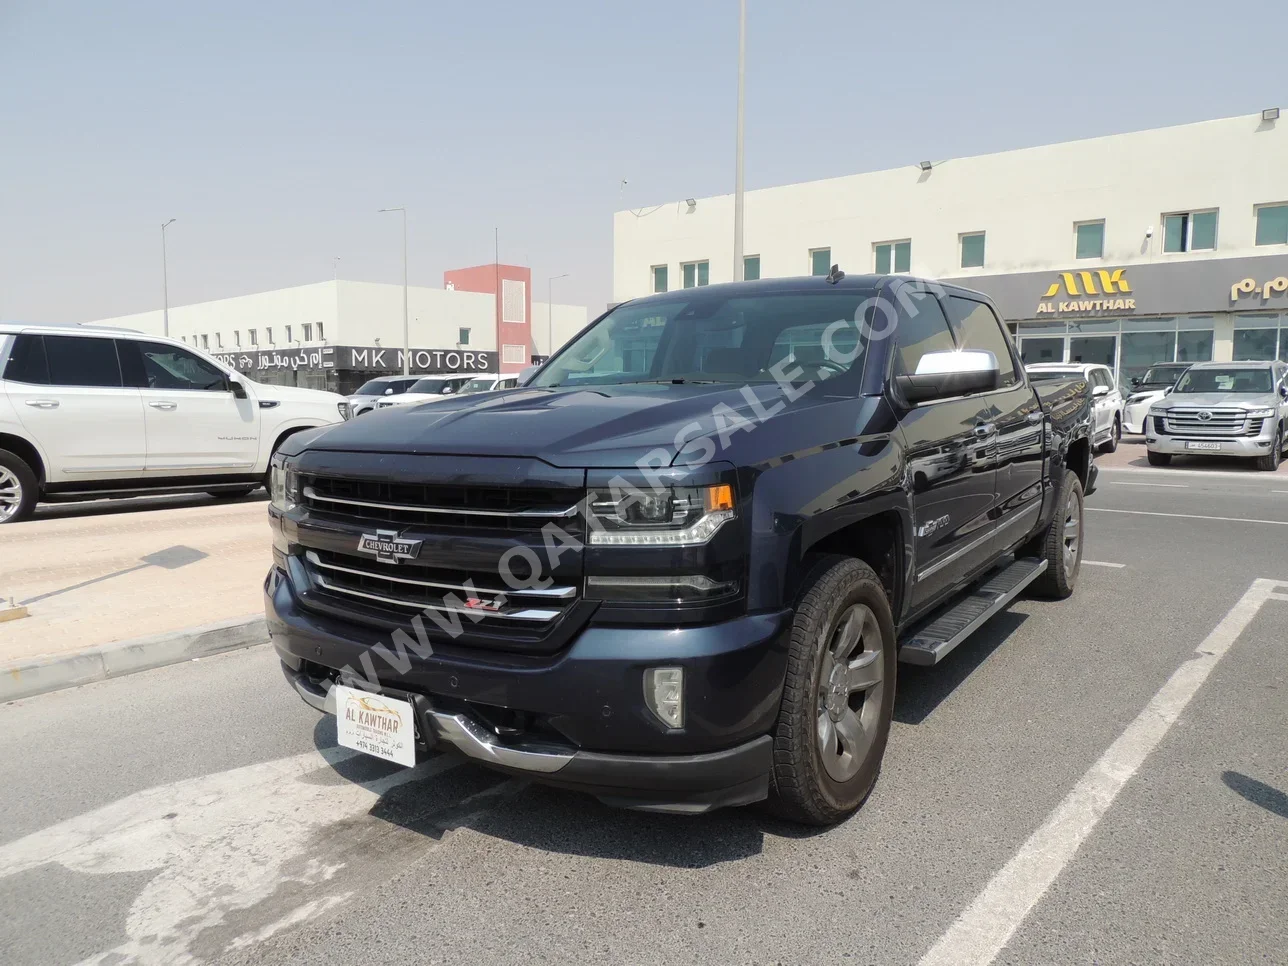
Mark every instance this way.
x=388 y=546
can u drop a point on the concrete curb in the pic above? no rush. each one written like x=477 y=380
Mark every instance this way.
x=25 y=679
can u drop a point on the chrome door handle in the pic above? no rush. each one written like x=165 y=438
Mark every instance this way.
x=164 y=404
x=1034 y=417
x=984 y=430
x=43 y=403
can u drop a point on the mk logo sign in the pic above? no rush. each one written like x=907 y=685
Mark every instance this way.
x=1110 y=282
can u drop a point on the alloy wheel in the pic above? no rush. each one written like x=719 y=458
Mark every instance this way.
x=851 y=682
x=10 y=493
x=1072 y=532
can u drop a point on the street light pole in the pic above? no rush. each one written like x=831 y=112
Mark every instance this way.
x=550 y=313
x=165 y=284
x=737 y=176
x=406 y=329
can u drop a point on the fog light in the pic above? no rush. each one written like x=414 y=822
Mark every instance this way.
x=664 y=694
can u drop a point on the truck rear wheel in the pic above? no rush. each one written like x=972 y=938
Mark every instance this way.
x=839 y=695
x=18 y=488
x=1061 y=543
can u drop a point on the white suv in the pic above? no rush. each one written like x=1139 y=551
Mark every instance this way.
x=1106 y=398
x=88 y=412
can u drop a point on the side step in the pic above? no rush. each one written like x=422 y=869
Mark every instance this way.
x=927 y=643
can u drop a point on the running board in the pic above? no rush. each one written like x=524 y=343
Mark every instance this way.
x=929 y=642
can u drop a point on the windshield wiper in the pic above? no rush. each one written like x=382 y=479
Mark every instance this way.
x=677 y=381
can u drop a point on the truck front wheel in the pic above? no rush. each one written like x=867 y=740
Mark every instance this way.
x=839 y=694
x=1060 y=544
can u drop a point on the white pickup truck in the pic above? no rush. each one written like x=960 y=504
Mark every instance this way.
x=92 y=412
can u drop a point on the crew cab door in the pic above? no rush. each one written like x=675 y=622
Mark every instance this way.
x=951 y=454
x=194 y=423
x=69 y=394
x=1016 y=413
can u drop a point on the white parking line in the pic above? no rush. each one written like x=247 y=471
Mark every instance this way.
x=1103 y=563
x=1187 y=516
x=984 y=929
x=1178 y=486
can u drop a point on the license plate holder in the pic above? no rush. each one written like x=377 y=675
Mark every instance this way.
x=1213 y=447
x=375 y=724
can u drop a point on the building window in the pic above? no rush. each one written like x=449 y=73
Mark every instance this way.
x=820 y=261
x=252 y=337
x=321 y=334
x=1190 y=231
x=269 y=335
x=514 y=301
x=973 y=250
x=695 y=273
x=308 y=332
x=1272 y=225
x=514 y=354
x=750 y=268
x=659 y=278
x=462 y=336
x=183 y=338
x=1090 y=239
x=288 y=335
x=237 y=337
x=219 y=340
x=205 y=342
x=893 y=256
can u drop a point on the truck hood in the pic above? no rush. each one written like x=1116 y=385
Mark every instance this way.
x=1219 y=400
x=607 y=426
x=296 y=394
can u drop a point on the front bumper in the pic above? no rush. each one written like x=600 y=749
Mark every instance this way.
x=1238 y=446
x=586 y=725
x=1134 y=415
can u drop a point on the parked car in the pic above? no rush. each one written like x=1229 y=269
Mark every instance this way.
x=489 y=382
x=90 y=412
x=700 y=617
x=1224 y=409
x=1147 y=389
x=426 y=388
x=373 y=390
x=1106 y=399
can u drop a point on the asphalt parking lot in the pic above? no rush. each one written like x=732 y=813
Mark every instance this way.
x=1100 y=780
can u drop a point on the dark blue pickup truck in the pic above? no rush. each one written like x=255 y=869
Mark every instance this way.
x=678 y=569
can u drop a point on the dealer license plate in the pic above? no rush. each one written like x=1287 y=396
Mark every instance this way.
x=1207 y=446
x=375 y=724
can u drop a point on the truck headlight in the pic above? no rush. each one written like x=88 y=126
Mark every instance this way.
x=1158 y=412
x=343 y=407
x=283 y=484
x=1260 y=413
x=682 y=516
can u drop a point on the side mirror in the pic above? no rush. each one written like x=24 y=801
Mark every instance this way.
x=448 y=390
x=236 y=386
x=940 y=375
x=389 y=391
x=1100 y=391
x=1283 y=391
x=1135 y=381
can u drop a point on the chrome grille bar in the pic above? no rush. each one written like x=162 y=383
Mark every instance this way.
x=527 y=614
x=311 y=494
x=553 y=593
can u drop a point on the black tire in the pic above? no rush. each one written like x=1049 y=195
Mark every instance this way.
x=231 y=494
x=1159 y=459
x=17 y=480
x=1058 y=580
x=1271 y=460
x=1111 y=445
x=802 y=786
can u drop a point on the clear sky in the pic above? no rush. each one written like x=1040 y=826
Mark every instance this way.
x=273 y=130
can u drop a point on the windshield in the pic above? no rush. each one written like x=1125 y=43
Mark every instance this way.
x=1051 y=375
x=1225 y=380
x=374 y=387
x=1161 y=375
x=712 y=338
x=430 y=386
x=478 y=385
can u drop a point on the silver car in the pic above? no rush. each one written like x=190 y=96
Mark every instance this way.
x=1223 y=409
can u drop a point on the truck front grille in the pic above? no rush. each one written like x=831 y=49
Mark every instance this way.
x=485 y=507
x=1218 y=422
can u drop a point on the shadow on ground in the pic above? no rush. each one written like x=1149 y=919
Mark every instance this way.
x=1257 y=792
x=922 y=689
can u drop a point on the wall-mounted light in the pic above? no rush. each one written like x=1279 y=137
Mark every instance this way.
x=691 y=202
x=926 y=165
x=1270 y=114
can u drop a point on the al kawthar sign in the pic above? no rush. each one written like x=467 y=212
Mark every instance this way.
x=1090 y=291
x=362 y=358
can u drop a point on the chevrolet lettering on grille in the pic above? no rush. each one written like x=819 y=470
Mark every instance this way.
x=388 y=546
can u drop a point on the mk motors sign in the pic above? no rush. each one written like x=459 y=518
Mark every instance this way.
x=1088 y=292
x=360 y=358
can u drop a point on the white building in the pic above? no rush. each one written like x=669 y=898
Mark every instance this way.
x=337 y=334
x=1186 y=228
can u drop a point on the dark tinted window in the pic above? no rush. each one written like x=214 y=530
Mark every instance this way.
x=977 y=328
x=27 y=361
x=922 y=328
x=82 y=361
x=170 y=367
